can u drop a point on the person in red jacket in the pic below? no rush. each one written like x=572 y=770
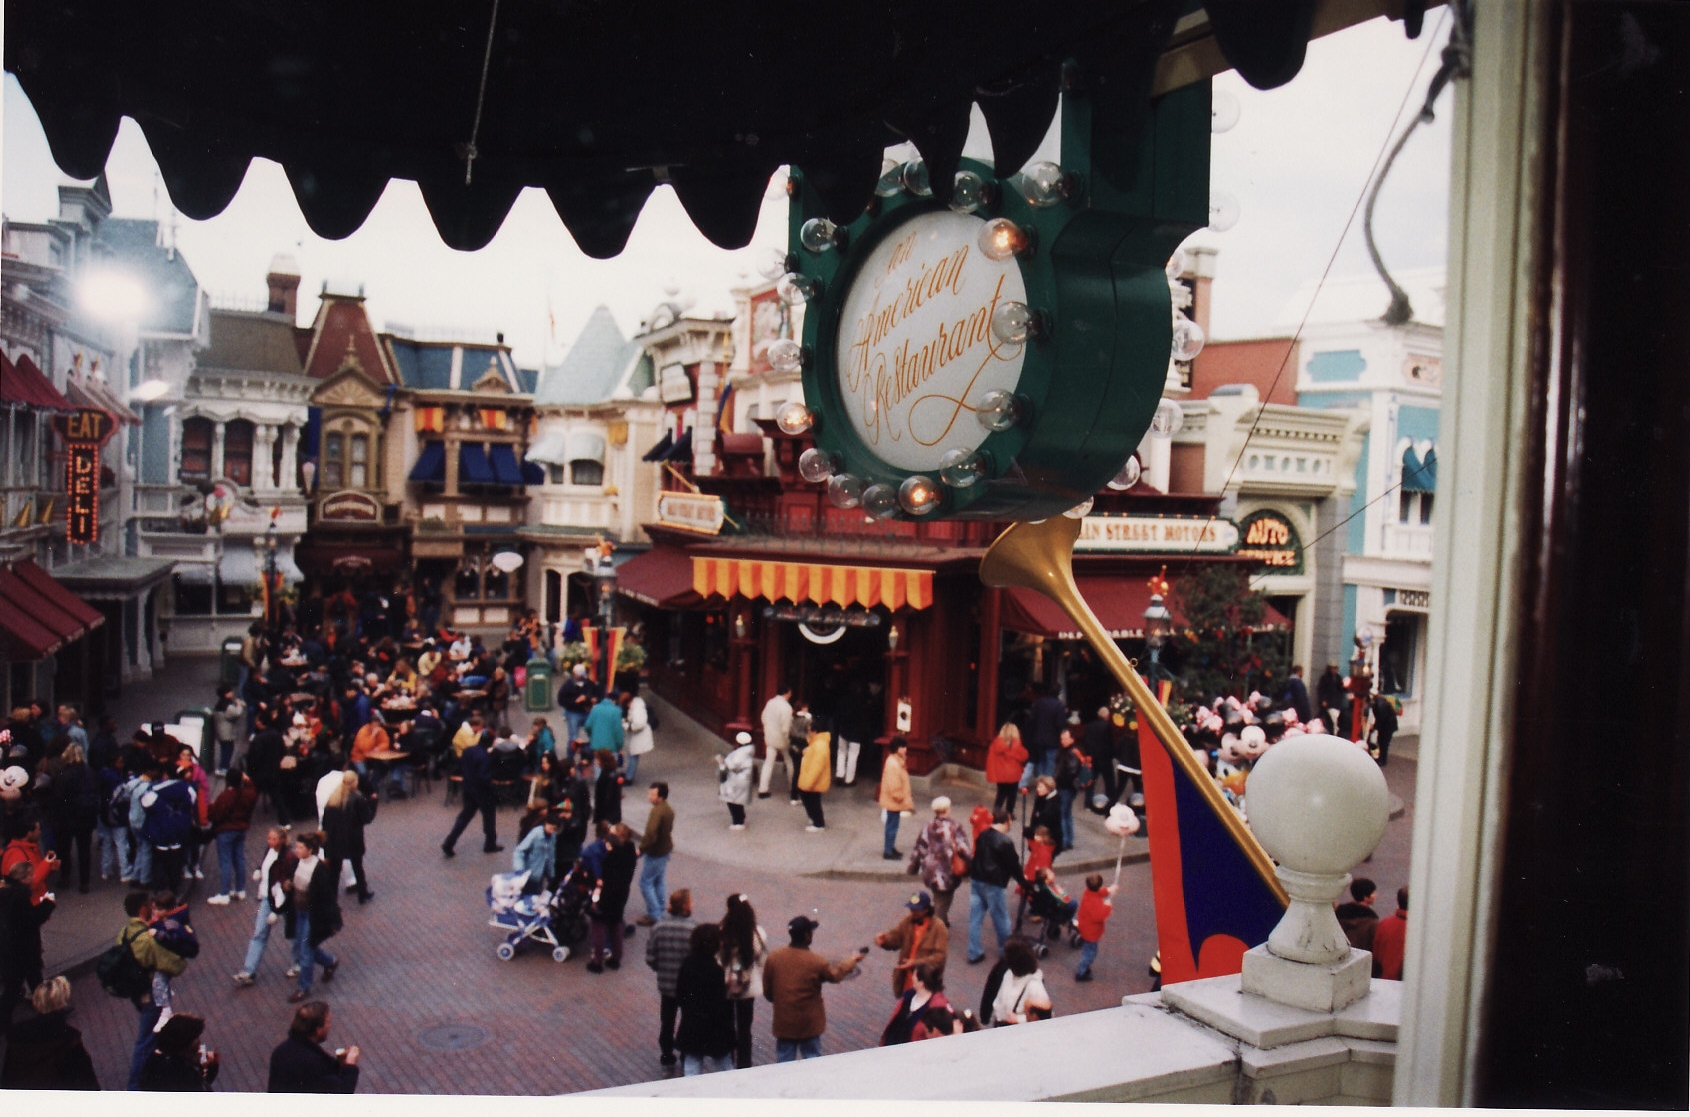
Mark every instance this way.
x=1005 y=758
x=231 y=817
x=1390 y=939
x=25 y=848
x=1096 y=906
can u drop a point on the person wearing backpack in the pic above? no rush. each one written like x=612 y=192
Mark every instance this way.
x=133 y=978
x=167 y=826
x=148 y=773
x=113 y=824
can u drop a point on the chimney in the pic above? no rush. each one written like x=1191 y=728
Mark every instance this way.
x=284 y=286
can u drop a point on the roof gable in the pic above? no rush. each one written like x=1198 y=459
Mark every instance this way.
x=349 y=387
x=593 y=367
x=342 y=328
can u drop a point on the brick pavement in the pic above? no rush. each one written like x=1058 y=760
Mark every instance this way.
x=421 y=955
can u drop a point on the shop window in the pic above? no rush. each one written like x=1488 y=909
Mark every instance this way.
x=1396 y=658
x=237 y=451
x=334 y=462
x=466 y=584
x=358 y=476
x=496 y=584
x=234 y=599
x=193 y=599
x=554 y=596
x=1426 y=507
x=584 y=471
x=556 y=474
x=1414 y=508
x=196 y=451
x=716 y=641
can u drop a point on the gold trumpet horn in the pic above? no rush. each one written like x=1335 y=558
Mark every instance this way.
x=1040 y=556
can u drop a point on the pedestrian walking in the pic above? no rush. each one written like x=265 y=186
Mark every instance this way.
x=1047 y=811
x=734 y=779
x=1384 y=728
x=313 y=913
x=665 y=949
x=1390 y=941
x=638 y=738
x=199 y=833
x=231 y=818
x=918 y=938
x=226 y=718
x=576 y=697
x=271 y=878
x=926 y=991
x=536 y=854
x=1097 y=904
x=940 y=855
x=1021 y=996
x=615 y=882
x=777 y=734
x=1006 y=759
x=607 y=789
x=854 y=721
x=75 y=812
x=656 y=844
x=993 y=866
x=815 y=776
x=46 y=1052
x=1357 y=917
x=706 y=1031
x=159 y=964
x=797 y=742
x=475 y=767
x=793 y=978
x=178 y=1061
x=345 y=815
x=745 y=950
x=603 y=728
x=1046 y=719
x=112 y=828
x=300 y=1065
x=895 y=798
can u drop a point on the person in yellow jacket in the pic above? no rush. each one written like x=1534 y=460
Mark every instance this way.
x=895 y=798
x=815 y=776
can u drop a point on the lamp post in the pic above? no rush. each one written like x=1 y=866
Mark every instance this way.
x=270 y=586
x=604 y=578
x=1158 y=622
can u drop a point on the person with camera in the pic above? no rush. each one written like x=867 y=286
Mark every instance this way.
x=179 y=1062
x=300 y=1065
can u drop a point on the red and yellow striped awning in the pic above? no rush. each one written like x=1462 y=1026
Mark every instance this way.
x=822 y=584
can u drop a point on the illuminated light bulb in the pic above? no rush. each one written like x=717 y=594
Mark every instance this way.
x=915 y=178
x=1168 y=419
x=786 y=355
x=891 y=182
x=1188 y=339
x=817 y=465
x=1002 y=238
x=1223 y=211
x=1176 y=264
x=999 y=410
x=1223 y=111
x=1045 y=185
x=845 y=490
x=1014 y=322
x=961 y=468
x=880 y=500
x=1130 y=472
x=795 y=418
x=818 y=235
x=920 y=495
x=795 y=288
x=1081 y=510
x=969 y=193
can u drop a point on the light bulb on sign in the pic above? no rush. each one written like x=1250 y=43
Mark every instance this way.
x=891 y=182
x=969 y=193
x=920 y=495
x=785 y=355
x=1081 y=510
x=795 y=418
x=915 y=178
x=1128 y=476
x=818 y=235
x=1002 y=238
x=772 y=264
x=961 y=468
x=1168 y=419
x=1188 y=339
x=845 y=490
x=1045 y=185
x=795 y=288
x=817 y=465
x=1223 y=211
x=999 y=410
x=1223 y=111
x=1014 y=322
x=1176 y=264
x=880 y=500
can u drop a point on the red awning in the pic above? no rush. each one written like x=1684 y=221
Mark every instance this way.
x=38 y=616
x=23 y=382
x=1118 y=602
x=321 y=559
x=661 y=577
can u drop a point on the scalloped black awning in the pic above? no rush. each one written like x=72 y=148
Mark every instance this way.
x=595 y=101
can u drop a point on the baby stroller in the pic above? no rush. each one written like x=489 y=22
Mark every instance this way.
x=533 y=916
x=1056 y=916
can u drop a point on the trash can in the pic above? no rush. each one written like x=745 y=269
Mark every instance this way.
x=229 y=669
x=192 y=727
x=537 y=692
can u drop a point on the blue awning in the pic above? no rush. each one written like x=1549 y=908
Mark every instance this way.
x=431 y=464
x=533 y=473
x=505 y=469
x=473 y=466
x=1419 y=476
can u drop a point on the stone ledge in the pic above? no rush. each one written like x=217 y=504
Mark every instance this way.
x=1221 y=1003
x=1311 y=1054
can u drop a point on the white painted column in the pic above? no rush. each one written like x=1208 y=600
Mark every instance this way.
x=289 y=480
x=263 y=437
x=704 y=430
x=217 y=451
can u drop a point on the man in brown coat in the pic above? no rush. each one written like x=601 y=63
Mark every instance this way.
x=793 y=978
x=917 y=938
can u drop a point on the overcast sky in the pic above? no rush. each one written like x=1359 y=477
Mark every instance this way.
x=1296 y=161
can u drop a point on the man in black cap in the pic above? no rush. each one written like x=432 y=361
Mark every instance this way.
x=917 y=938
x=793 y=978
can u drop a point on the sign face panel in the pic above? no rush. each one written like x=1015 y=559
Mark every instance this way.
x=82 y=492
x=915 y=349
x=1176 y=534
x=349 y=507
x=87 y=424
x=691 y=512
x=1269 y=538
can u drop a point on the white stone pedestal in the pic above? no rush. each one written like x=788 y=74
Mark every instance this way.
x=1326 y=987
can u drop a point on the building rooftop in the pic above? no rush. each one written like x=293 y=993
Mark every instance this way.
x=249 y=342
x=1359 y=298
x=444 y=366
x=594 y=366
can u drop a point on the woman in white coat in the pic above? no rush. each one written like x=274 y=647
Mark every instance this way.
x=637 y=737
x=735 y=773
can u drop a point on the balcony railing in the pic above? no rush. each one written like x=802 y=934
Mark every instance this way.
x=1408 y=541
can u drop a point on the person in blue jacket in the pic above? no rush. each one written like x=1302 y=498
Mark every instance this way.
x=476 y=768
x=536 y=854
